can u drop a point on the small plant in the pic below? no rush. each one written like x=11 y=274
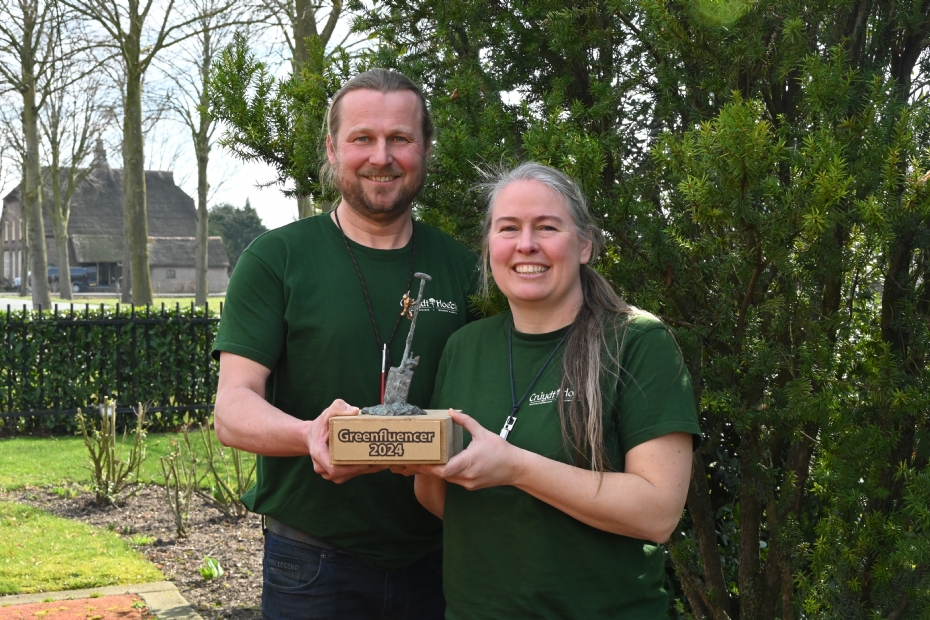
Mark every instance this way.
x=65 y=492
x=139 y=605
x=142 y=540
x=211 y=569
x=233 y=473
x=179 y=468
x=113 y=471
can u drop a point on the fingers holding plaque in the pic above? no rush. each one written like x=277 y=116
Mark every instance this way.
x=416 y=439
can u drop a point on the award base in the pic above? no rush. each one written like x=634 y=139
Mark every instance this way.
x=430 y=439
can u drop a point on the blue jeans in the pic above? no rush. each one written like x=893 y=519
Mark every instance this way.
x=301 y=581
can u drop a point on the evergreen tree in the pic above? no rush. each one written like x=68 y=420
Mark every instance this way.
x=238 y=227
x=761 y=172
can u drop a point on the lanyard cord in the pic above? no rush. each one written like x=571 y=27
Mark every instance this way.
x=512 y=418
x=383 y=347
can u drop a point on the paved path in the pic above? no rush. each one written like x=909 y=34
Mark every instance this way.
x=15 y=303
x=161 y=597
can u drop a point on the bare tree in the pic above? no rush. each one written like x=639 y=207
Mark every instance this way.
x=124 y=23
x=305 y=23
x=278 y=121
x=29 y=36
x=191 y=105
x=11 y=130
x=71 y=123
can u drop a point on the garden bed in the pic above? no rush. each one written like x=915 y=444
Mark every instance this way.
x=146 y=521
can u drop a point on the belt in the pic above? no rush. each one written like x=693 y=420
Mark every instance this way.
x=286 y=531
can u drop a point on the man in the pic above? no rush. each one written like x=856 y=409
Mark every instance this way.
x=312 y=312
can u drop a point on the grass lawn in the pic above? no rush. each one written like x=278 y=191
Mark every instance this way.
x=61 y=461
x=42 y=553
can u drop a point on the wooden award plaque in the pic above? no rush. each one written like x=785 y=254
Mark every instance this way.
x=413 y=439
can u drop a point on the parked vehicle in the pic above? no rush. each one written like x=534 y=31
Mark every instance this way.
x=83 y=279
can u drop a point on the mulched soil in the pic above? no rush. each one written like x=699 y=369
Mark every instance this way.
x=235 y=543
x=117 y=607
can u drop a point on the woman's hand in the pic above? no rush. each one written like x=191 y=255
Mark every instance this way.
x=488 y=461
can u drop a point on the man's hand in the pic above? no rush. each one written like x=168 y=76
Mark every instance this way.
x=318 y=445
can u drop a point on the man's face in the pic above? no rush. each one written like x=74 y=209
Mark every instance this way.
x=379 y=154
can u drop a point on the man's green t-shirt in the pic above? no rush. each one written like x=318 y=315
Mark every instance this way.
x=510 y=555
x=296 y=306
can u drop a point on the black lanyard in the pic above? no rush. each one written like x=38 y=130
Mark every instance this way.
x=512 y=418
x=383 y=347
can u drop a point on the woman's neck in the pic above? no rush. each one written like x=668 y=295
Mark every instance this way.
x=530 y=318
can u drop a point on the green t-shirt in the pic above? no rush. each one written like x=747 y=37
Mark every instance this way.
x=295 y=305
x=510 y=555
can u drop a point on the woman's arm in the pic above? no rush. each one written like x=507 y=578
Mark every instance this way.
x=431 y=493
x=643 y=502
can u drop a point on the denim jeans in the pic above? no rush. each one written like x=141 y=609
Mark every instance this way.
x=302 y=581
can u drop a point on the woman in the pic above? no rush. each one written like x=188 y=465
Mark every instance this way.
x=558 y=514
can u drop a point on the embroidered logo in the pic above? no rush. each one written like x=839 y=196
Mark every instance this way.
x=545 y=398
x=437 y=305
x=284 y=566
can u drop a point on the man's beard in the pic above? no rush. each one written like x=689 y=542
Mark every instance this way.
x=354 y=195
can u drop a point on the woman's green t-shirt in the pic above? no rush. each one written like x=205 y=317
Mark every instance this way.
x=510 y=555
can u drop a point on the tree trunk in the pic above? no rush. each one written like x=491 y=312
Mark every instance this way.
x=32 y=195
x=58 y=213
x=750 y=522
x=305 y=207
x=202 y=152
x=202 y=146
x=24 y=253
x=126 y=284
x=137 y=235
x=702 y=516
x=60 y=228
x=304 y=28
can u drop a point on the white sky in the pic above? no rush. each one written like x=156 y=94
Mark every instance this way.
x=241 y=182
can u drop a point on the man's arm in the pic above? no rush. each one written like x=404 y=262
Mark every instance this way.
x=245 y=420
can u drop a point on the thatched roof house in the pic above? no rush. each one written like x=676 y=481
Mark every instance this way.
x=97 y=238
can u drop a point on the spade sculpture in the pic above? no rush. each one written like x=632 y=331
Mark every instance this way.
x=397 y=386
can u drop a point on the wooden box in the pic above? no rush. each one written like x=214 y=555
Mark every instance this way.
x=413 y=439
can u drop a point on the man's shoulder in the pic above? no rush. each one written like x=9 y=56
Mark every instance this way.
x=432 y=235
x=294 y=234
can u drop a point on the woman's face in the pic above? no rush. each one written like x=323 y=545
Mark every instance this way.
x=535 y=251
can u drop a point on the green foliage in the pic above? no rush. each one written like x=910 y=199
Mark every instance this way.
x=211 y=569
x=142 y=540
x=237 y=227
x=114 y=467
x=53 y=361
x=277 y=121
x=43 y=553
x=760 y=171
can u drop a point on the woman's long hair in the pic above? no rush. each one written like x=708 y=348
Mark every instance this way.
x=602 y=315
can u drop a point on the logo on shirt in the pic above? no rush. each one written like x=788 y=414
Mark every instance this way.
x=545 y=398
x=437 y=305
